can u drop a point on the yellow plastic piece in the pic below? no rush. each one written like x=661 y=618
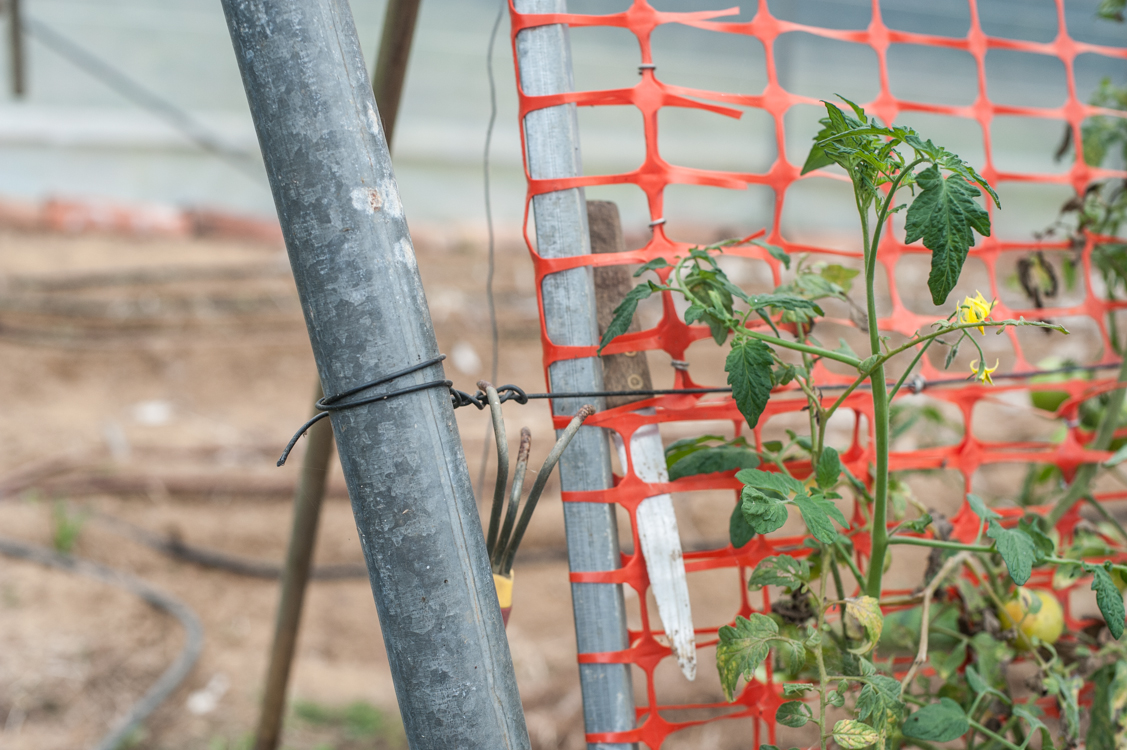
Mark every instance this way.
x=504 y=586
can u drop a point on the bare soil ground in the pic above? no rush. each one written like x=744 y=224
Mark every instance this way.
x=153 y=382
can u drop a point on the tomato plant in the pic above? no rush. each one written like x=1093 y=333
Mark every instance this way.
x=841 y=671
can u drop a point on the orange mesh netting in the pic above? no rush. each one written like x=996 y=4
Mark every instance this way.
x=673 y=336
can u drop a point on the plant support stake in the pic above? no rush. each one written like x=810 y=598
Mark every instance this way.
x=552 y=142
x=356 y=275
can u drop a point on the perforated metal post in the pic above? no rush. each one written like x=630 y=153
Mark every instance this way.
x=359 y=285
x=552 y=140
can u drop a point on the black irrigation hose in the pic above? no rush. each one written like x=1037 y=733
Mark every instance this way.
x=159 y=691
x=243 y=566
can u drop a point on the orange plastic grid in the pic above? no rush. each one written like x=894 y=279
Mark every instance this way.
x=673 y=336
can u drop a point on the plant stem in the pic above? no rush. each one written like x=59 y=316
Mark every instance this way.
x=996 y=737
x=880 y=422
x=939 y=544
x=1086 y=473
x=818 y=653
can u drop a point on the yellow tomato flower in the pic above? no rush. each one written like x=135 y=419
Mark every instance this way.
x=984 y=372
x=976 y=310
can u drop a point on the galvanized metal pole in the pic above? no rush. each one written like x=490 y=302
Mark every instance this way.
x=387 y=88
x=552 y=140
x=356 y=275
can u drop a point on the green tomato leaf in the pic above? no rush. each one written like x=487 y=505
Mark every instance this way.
x=829 y=468
x=674 y=452
x=939 y=722
x=763 y=513
x=1018 y=549
x=1108 y=598
x=624 y=313
x=917 y=525
x=1103 y=727
x=854 y=734
x=977 y=684
x=771 y=480
x=817 y=512
x=774 y=251
x=1044 y=545
x=879 y=699
x=840 y=275
x=653 y=265
x=713 y=459
x=943 y=215
x=739 y=530
x=792 y=689
x=742 y=648
x=793 y=714
x=978 y=505
x=780 y=570
x=749 y=373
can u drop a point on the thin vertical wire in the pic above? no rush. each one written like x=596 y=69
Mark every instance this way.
x=494 y=354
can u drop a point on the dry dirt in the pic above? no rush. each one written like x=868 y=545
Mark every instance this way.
x=154 y=382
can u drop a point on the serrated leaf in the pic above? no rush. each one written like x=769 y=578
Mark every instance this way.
x=879 y=699
x=917 y=525
x=780 y=570
x=653 y=265
x=1103 y=727
x=771 y=480
x=1108 y=598
x=990 y=655
x=792 y=689
x=739 y=530
x=1018 y=550
x=1066 y=575
x=674 y=452
x=792 y=654
x=774 y=251
x=749 y=373
x=943 y=215
x=713 y=459
x=787 y=302
x=840 y=275
x=978 y=505
x=866 y=611
x=793 y=714
x=624 y=313
x=837 y=697
x=977 y=684
x=817 y=512
x=829 y=468
x=854 y=735
x=764 y=513
x=742 y=648
x=1044 y=545
x=1035 y=724
x=947 y=663
x=938 y=722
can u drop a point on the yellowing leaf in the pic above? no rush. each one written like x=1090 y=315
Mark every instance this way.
x=866 y=612
x=854 y=734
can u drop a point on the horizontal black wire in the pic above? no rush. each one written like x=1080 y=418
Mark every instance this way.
x=515 y=393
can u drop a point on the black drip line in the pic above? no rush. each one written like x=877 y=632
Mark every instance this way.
x=329 y=404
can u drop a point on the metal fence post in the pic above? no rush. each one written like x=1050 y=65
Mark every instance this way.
x=355 y=269
x=552 y=141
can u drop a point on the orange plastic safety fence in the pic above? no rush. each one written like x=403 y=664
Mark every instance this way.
x=759 y=700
